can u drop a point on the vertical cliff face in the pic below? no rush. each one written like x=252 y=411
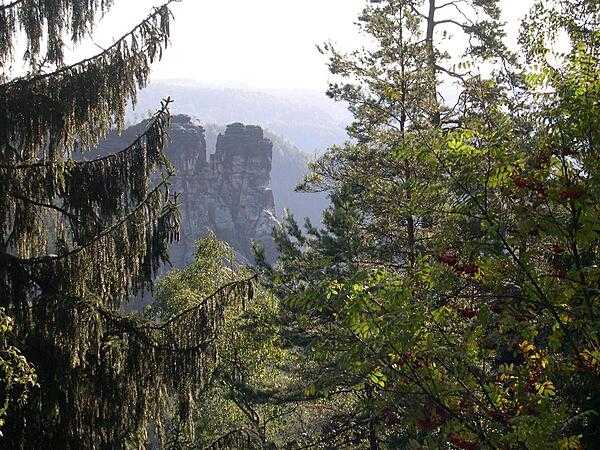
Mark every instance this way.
x=228 y=194
x=187 y=152
x=242 y=207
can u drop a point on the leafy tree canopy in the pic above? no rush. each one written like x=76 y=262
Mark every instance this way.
x=455 y=283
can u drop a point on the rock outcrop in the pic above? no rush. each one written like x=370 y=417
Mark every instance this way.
x=289 y=167
x=228 y=193
x=242 y=207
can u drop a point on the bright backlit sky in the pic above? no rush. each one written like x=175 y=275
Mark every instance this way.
x=253 y=43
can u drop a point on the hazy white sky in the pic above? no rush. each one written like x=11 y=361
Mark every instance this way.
x=253 y=43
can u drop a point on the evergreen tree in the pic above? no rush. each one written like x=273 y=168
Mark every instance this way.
x=79 y=237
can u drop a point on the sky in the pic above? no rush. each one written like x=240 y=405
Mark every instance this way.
x=263 y=44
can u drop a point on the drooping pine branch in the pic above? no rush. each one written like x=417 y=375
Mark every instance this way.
x=47 y=116
x=92 y=194
x=125 y=256
x=46 y=21
x=146 y=364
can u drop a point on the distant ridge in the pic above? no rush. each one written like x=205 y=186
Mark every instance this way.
x=308 y=119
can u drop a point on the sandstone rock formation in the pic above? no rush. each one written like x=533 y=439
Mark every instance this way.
x=242 y=207
x=289 y=167
x=228 y=193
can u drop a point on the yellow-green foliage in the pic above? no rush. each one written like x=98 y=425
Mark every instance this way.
x=16 y=374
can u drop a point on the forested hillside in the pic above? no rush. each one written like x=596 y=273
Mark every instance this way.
x=449 y=298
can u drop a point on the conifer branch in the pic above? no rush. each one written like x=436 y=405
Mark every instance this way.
x=156 y=12
x=45 y=109
x=44 y=205
x=106 y=232
x=161 y=114
x=140 y=325
x=206 y=299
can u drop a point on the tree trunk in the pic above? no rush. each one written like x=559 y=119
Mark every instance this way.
x=431 y=62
